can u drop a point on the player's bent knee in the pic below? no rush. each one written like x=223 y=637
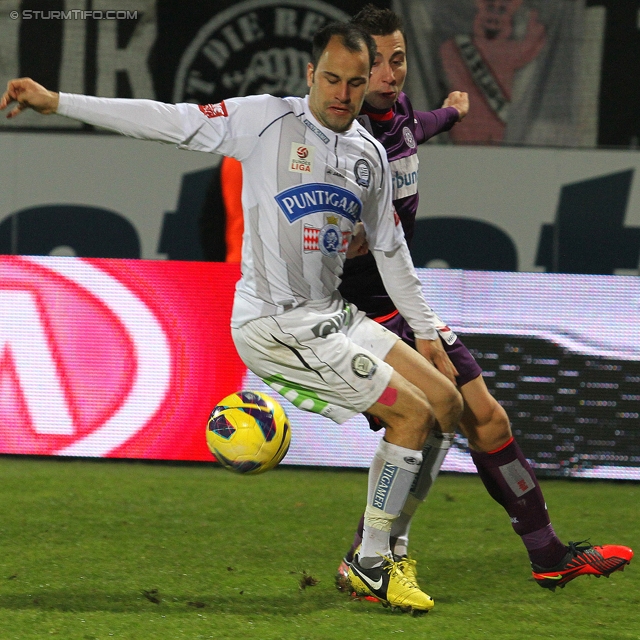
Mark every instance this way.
x=448 y=406
x=443 y=396
x=420 y=413
x=456 y=405
x=492 y=433
x=409 y=417
x=410 y=430
x=501 y=425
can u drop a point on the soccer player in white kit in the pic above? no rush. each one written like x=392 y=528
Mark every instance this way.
x=311 y=173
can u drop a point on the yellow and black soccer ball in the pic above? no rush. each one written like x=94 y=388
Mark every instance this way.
x=248 y=432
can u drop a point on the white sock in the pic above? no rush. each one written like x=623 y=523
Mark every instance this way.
x=391 y=476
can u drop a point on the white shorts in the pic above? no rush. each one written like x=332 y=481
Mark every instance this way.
x=328 y=359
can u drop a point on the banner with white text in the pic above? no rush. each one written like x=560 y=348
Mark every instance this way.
x=539 y=72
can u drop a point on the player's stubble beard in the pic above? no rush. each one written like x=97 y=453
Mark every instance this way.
x=338 y=124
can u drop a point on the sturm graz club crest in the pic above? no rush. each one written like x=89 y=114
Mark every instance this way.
x=362 y=171
x=252 y=47
x=330 y=239
x=363 y=366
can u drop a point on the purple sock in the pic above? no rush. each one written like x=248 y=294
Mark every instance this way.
x=510 y=481
x=357 y=539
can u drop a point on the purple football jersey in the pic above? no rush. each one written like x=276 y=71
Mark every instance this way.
x=400 y=130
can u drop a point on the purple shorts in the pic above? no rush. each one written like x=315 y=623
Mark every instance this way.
x=463 y=361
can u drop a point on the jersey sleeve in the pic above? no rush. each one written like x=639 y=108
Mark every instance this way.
x=230 y=127
x=405 y=290
x=431 y=123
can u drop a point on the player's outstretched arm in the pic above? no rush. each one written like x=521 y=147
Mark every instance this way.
x=431 y=123
x=28 y=94
x=142 y=119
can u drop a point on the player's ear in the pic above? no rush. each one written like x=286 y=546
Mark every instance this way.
x=310 y=74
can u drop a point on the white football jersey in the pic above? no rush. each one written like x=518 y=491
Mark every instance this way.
x=304 y=188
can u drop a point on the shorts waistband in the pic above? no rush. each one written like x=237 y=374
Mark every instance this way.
x=381 y=319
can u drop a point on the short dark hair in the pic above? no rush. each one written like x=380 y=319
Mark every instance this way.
x=379 y=22
x=352 y=36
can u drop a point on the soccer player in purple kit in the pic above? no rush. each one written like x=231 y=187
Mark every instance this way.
x=507 y=475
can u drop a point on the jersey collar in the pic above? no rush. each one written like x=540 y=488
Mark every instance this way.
x=376 y=114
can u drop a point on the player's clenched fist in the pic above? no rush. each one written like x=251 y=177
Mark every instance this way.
x=28 y=93
x=460 y=101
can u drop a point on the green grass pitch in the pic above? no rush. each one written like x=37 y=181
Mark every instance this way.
x=141 y=551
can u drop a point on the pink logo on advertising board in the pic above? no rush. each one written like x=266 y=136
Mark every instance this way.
x=93 y=359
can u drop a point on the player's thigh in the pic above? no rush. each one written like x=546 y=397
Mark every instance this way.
x=329 y=375
x=438 y=389
x=484 y=421
x=458 y=353
x=406 y=413
x=403 y=396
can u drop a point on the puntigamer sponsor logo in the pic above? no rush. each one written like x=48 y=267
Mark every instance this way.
x=384 y=484
x=305 y=199
x=317 y=131
x=250 y=48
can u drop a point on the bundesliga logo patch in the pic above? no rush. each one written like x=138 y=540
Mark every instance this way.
x=214 y=110
x=301 y=158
